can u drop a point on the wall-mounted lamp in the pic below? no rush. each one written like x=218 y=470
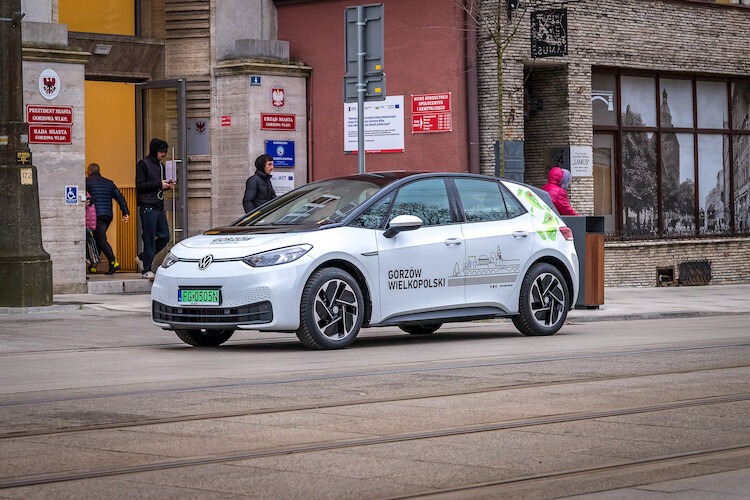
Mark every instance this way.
x=512 y=5
x=102 y=49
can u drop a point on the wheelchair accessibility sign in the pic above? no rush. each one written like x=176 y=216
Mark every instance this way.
x=71 y=195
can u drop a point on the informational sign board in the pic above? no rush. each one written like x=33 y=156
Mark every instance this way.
x=282 y=153
x=431 y=113
x=197 y=136
x=71 y=195
x=581 y=161
x=55 y=115
x=255 y=80
x=45 y=134
x=274 y=121
x=226 y=121
x=282 y=182
x=384 y=126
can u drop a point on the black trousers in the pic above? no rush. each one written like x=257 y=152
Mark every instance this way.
x=100 y=236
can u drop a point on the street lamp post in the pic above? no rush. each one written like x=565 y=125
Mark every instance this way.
x=25 y=268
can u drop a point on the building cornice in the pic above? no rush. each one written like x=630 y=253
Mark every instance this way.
x=262 y=67
x=58 y=55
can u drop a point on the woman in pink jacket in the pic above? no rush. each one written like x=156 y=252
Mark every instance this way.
x=558 y=181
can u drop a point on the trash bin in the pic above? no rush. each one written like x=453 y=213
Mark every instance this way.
x=588 y=238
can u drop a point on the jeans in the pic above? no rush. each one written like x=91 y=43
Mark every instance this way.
x=155 y=234
x=100 y=236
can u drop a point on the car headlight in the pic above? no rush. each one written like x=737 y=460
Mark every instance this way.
x=278 y=256
x=169 y=260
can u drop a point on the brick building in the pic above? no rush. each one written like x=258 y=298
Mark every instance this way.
x=646 y=101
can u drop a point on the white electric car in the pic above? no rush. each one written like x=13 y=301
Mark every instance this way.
x=414 y=250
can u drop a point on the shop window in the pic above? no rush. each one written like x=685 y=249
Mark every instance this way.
x=639 y=182
x=713 y=184
x=678 y=183
x=604 y=99
x=712 y=105
x=638 y=101
x=741 y=106
x=741 y=147
x=603 y=171
x=676 y=103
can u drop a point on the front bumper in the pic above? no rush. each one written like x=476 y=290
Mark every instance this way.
x=264 y=298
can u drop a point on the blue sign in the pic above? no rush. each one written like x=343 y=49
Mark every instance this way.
x=255 y=81
x=282 y=153
x=71 y=195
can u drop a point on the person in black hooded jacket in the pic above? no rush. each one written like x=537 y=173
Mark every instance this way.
x=150 y=185
x=258 y=188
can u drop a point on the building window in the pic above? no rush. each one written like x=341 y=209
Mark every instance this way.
x=680 y=154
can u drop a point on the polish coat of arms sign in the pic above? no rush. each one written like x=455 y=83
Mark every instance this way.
x=277 y=97
x=49 y=84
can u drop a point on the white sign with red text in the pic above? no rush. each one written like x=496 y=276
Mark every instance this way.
x=384 y=126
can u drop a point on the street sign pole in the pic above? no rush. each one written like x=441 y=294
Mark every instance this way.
x=361 y=88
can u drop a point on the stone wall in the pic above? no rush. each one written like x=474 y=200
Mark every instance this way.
x=635 y=263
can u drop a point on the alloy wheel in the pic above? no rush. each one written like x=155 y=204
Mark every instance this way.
x=547 y=299
x=336 y=309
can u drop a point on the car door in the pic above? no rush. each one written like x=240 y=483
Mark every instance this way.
x=498 y=240
x=416 y=267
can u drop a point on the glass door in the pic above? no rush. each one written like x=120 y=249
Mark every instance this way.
x=161 y=114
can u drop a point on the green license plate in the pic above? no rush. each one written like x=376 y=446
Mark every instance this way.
x=198 y=296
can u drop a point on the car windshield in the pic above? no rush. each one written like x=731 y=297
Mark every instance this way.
x=325 y=202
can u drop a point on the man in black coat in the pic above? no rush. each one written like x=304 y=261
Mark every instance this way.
x=150 y=184
x=103 y=191
x=258 y=188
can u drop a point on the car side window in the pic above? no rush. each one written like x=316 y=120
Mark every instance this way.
x=482 y=200
x=512 y=204
x=373 y=217
x=427 y=199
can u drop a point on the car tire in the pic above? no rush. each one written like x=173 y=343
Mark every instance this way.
x=421 y=329
x=204 y=338
x=331 y=310
x=543 y=303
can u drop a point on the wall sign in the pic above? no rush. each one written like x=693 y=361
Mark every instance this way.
x=431 y=113
x=271 y=121
x=197 y=136
x=277 y=97
x=581 y=161
x=61 y=115
x=49 y=134
x=282 y=153
x=282 y=182
x=549 y=33
x=384 y=126
x=49 y=84
x=255 y=81
x=226 y=121
x=71 y=195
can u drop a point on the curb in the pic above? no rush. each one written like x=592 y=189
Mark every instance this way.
x=656 y=315
x=42 y=309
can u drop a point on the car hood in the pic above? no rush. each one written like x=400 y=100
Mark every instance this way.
x=232 y=245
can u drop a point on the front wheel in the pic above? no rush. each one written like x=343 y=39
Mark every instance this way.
x=421 y=329
x=204 y=338
x=543 y=304
x=331 y=311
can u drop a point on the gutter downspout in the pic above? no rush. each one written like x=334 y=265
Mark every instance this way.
x=472 y=88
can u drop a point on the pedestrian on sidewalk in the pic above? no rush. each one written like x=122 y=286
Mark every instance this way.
x=150 y=185
x=258 y=188
x=558 y=182
x=103 y=191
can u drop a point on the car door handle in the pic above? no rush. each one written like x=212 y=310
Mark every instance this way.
x=453 y=241
x=520 y=234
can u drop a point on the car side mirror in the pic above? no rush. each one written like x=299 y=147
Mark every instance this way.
x=402 y=223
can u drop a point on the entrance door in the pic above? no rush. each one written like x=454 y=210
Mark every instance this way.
x=161 y=112
x=604 y=179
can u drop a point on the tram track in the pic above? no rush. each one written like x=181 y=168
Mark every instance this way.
x=349 y=403
x=235 y=456
x=370 y=373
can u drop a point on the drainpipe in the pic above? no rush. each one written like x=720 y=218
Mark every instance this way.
x=472 y=89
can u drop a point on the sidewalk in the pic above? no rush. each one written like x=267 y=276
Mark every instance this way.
x=619 y=303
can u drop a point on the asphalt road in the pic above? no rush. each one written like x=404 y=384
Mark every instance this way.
x=102 y=404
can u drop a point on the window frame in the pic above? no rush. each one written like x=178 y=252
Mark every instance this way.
x=731 y=132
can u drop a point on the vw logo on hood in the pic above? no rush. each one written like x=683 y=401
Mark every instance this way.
x=205 y=262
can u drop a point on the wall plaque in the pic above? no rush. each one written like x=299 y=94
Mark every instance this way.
x=549 y=33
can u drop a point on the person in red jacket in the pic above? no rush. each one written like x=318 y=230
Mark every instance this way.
x=558 y=181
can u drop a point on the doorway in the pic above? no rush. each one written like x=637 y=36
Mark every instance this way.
x=161 y=113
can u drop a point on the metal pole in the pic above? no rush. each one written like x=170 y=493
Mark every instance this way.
x=361 y=88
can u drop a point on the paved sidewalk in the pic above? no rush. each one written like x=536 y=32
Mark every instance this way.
x=619 y=303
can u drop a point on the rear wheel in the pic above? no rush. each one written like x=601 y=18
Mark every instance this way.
x=331 y=311
x=421 y=329
x=203 y=337
x=543 y=304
